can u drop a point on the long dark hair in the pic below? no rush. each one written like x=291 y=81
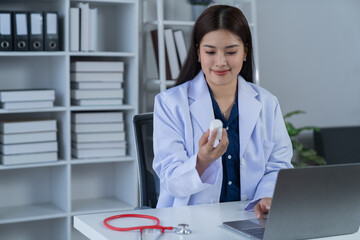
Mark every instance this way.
x=214 y=18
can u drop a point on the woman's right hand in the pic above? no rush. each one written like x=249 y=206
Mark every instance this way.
x=207 y=152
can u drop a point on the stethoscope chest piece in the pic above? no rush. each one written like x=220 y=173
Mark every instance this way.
x=183 y=228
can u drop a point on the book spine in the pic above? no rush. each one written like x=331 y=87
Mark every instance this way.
x=180 y=46
x=119 y=144
x=98 y=102
x=97 y=66
x=98 y=117
x=29 y=158
x=84 y=27
x=173 y=58
x=97 y=94
x=94 y=137
x=95 y=85
x=93 y=29
x=89 y=153
x=30 y=95
x=154 y=38
x=97 y=77
x=27 y=104
x=21 y=148
x=74 y=29
x=28 y=126
x=97 y=127
x=28 y=137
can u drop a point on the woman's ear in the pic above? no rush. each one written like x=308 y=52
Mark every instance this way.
x=198 y=53
x=245 y=52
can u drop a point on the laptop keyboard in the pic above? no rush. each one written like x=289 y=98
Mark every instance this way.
x=256 y=232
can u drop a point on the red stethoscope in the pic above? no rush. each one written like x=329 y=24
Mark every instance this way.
x=181 y=229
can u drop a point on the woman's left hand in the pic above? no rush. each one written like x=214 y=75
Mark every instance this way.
x=262 y=207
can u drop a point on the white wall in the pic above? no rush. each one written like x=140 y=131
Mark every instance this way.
x=309 y=54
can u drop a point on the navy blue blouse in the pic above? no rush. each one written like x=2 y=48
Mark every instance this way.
x=230 y=190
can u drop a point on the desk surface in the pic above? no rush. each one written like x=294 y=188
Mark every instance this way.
x=205 y=222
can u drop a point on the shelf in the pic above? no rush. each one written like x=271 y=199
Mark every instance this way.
x=101 y=160
x=242 y=1
x=33 y=193
x=97 y=205
x=102 y=108
x=101 y=187
x=182 y=23
x=30 y=213
x=34 y=110
x=105 y=1
x=38 y=200
x=52 y=228
x=102 y=54
x=60 y=162
x=32 y=54
x=174 y=23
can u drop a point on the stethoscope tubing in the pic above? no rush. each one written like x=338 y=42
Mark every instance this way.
x=141 y=228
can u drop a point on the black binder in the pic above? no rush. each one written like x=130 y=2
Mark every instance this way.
x=36 y=31
x=21 y=36
x=5 y=31
x=51 y=31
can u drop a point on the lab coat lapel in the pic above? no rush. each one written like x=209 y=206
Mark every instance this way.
x=249 y=110
x=200 y=102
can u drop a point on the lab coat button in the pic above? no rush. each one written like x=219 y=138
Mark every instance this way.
x=244 y=197
x=243 y=161
x=230 y=182
x=229 y=156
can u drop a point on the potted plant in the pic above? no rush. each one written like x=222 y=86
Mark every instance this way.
x=305 y=156
x=198 y=6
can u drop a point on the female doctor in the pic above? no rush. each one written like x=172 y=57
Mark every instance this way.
x=216 y=83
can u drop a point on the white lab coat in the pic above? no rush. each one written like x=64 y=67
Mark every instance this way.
x=183 y=113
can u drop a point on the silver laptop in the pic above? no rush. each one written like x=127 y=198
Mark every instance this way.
x=309 y=202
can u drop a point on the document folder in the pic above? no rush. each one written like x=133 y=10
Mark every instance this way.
x=74 y=29
x=36 y=36
x=51 y=31
x=21 y=36
x=5 y=31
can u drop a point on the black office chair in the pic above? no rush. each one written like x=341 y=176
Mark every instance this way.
x=149 y=181
x=338 y=145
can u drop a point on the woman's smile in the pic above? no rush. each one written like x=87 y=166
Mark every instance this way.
x=220 y=72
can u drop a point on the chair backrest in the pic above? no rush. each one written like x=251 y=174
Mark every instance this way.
x=338 y=145
x=149 y=181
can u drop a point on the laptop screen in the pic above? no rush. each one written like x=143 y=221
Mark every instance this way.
x=313 y=202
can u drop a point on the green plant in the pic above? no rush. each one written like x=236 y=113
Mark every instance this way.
x=306 y=156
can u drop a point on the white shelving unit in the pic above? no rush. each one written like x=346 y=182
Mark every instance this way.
x=38 y=201
x=161 y=14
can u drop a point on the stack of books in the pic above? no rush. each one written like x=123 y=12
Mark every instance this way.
x=26 y=99
x=32 y=141
x=98 y=134
x=97 y=83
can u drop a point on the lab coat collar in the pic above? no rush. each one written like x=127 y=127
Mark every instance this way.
x=202 y=111
x=249 y=110
x=200 y=102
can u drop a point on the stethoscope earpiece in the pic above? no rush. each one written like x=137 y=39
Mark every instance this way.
x=183 y=228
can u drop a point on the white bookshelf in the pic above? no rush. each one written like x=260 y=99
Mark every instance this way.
x=161 y=14
x=38 y=200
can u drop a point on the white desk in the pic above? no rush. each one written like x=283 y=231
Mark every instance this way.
x=205 y=222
